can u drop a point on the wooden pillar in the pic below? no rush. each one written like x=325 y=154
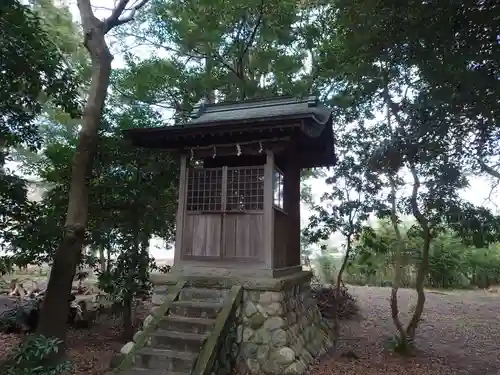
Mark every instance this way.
x=291 y=205
x=268 y=229
x=181 y=210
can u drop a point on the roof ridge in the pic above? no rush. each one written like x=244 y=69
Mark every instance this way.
x=199 y=110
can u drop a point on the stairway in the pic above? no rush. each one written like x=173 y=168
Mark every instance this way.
x=176 y=343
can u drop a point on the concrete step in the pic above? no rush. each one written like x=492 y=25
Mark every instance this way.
x=179 y=341
x=186 y=324
x=166 y=360
x=196 y=309
x=147 y=371
x=203 y=294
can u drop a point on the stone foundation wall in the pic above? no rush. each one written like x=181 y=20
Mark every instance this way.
x=281 y=331
x=228 y=353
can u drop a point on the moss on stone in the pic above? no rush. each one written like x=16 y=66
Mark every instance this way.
x=224 y=323
x=142 y=339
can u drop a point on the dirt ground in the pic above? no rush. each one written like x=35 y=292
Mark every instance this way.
x=90 y=350
x=459 y=335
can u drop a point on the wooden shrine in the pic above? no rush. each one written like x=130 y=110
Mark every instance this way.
x=239 y=194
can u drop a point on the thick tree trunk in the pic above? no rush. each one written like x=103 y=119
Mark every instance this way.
x=55 y=306
x=128 y=326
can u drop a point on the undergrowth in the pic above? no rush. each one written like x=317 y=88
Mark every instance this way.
x=32 y=357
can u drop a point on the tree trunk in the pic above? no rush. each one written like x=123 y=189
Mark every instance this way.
x=422 y=268
x=128 y=326
x=209 y=65
x=398 y=265
x=398 y=260
x=108 y=260
x=55 y=306
x=337 y=287
x=102 y=259
x=131 y=288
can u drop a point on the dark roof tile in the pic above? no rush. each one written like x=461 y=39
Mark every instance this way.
x=262 y=109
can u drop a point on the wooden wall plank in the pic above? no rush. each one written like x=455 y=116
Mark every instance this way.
x=203 y=235
x=243 y=237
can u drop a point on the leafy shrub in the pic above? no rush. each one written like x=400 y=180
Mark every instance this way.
x=32 y=358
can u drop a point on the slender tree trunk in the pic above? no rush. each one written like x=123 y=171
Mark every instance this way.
x=55 y=305
x=398 y=264
x=131 y=288
x=108 y=260
x=398 y=260
x=339 y=283
x=422 y=269
x=102 y=259
x=209 y=65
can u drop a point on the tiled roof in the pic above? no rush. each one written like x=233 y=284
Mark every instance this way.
x=262 y=109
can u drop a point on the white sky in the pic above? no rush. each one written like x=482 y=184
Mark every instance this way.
x=477 y=193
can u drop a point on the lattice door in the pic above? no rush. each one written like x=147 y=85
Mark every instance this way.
x=224 y=207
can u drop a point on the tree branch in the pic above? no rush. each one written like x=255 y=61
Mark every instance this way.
x=254 y=31
x=219 y=58
x=114 y=19
x=117 y=11
x=489 y=170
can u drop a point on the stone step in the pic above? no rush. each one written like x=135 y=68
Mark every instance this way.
x=196 y=309
x=186 y=324
x=203 y=294
x=209 y=282
x=166 y=360
x=179 y=341
x=147 y=371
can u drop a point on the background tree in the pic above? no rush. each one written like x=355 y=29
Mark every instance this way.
x=55 y=307
x=452 y=262
x=353 y=197
x=134 y=186
x=33 y=73
x=374 y=66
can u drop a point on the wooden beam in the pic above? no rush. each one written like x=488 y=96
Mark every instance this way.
x=291 y=205
x=268 y=210
x=223 y=250
x=255 y=147
x=181 y=209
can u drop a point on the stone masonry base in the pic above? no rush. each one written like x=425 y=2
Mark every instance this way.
x=279 y=329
